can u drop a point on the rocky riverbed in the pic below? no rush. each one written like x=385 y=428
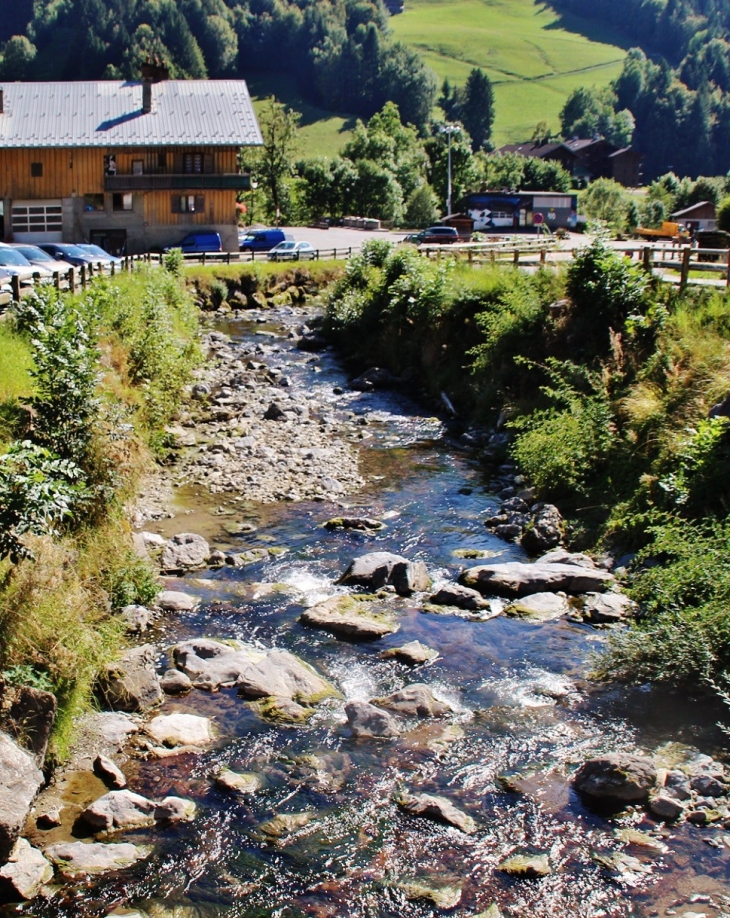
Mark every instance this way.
x=355 y=697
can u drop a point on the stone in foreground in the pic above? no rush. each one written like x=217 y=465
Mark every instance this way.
x=442 y=896
x=181 y=730
x=415 y=700
x=131 y=683
x=527 y=867
x=414 y=652
x=20 y=780
x=77 y=859
x=539 y=607
x=257 y=673
x=367 y=721
x=351 y=617
x=381 y=568
x=24 y=874
x=617 y=777
x=515 y=578
x=453 y=594
x=239 y=782
x=185 y=552
x=175 y=601
x=437 y=808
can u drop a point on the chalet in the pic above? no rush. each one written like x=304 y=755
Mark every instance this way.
x=503 y=211
x=131 y=166
x=586 y=159
x=697 y=217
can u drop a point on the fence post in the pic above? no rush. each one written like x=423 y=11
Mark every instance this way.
x=516 y=258
x=647 y=259
x=57 y=280
x=203 y=259
x=685 y=268
x=83 y=277
x=15 y=284
x=112 y=266
x=543 y=256
x=72 y=280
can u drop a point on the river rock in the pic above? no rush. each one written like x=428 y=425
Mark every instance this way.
x=354 y=523
x=526 y=866
x=539 y=607
x=25 y=872
x=174 y=809
x=175 y=683
x=175 y=601
x=28 y=714
x=76 y=859
x=258 y=673
x=119 y=810
x=453 y=594
x=415 y=700
x=437 y=808
x=443 y=896
x=284 y=824
x=374 y=378
x=515 y=578
x=617 y=777
x=136 y=618
x=367 y=720
x=607 y=608
x=131 y=684
x=381 y=568
x=181 y=730
x=563 y=556
x=279 y=709
x=109 y=772
x=351 y=617
x=239 y=782
x=665 y=806
x=20 y=780
x=708 y=786
x=545 y=529
x=185 y=552
x=414 y=652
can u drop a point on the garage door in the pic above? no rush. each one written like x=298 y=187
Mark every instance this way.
x=37 y=221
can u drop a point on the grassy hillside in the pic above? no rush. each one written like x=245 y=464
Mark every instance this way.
x=534 y=57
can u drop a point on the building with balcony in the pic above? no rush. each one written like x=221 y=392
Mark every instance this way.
x=131 y=166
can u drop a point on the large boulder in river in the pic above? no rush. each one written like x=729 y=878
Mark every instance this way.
x=545 y=529
x=257 y=673
x=381 y=568
x=76 y=859
x=24 y=874
x=416 y=700
x=453 y=594
x=514 y=578
x=351 y=617
x=617 y=777
x=368 y=721
x=20 y=780
x=185 y=552
x=131 y=683
x=122 y=809
x=539 y=607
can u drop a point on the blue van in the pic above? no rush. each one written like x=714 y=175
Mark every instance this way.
x=260 y=240
x=200 y=242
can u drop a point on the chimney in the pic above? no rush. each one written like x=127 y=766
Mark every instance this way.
x=153 y=71
x=2 y=101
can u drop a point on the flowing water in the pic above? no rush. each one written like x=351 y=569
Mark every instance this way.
x=525 y=716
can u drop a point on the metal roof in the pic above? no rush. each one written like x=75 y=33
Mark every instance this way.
x=109 y=114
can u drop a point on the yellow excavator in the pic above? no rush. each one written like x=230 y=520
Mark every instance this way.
x=668 y=230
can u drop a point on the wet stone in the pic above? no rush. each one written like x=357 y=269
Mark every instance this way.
x=186 y=551
x=351 y=617
x=616 y=777
x=414 y=652
x=75 y=859
x=181 y=730
x=175 y=601
x=109 y=772
x=239 y=782
x=284 y=824
x=174 y=682
x=415 y=700
x=26 y=871
x=453 y=594
x=526 y=866
x=366 y=720
x=443 y=896
x=437 y=808
x=665 y=807
x=539 y=607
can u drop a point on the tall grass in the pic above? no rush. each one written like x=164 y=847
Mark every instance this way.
x=15 y=379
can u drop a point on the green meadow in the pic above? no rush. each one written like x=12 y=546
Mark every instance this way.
x=533 y=56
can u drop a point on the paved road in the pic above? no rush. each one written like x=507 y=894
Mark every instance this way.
x=339 y=237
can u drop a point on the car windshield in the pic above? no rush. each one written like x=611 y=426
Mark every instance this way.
x=285 y=246
x=33 y=254
x=96 y=250
x=11 y=257
x=72 y=250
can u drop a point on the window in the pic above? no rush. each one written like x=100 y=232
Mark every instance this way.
x=37 y=218
x=93 y=202
x=121 y=202
x=162 y=161
x=36 y=170
x=188 y=203
x=193 y=162
x=137 y=167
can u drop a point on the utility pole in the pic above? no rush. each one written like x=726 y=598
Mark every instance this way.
x=449 y=129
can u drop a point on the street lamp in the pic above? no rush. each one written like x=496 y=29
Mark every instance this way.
x=254 y=186
x=449 y=129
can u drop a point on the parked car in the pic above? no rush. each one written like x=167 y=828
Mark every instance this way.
x=261 y=240
x=292 y=251
x=99 y=253
x=195 y=243
x=36 y=256
x=67 y=251
x=5 y=278
x=438 y=235
x=17 y=265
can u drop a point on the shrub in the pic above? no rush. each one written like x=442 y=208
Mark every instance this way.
x=173 y=261
x=723 y=215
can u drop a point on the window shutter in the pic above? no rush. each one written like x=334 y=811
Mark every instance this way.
x=178 y=167
x=199 y=203
x=208 y=163
x=176 y=203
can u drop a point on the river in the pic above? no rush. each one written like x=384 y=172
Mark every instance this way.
x=524 y=717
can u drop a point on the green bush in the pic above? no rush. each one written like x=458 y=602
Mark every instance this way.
x=722 y=220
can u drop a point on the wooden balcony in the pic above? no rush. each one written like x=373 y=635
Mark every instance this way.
x=181 y=182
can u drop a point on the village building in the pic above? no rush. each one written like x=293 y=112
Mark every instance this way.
x=130 y=166
x=697 y=217
x=586 y=159
x=504 y=211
